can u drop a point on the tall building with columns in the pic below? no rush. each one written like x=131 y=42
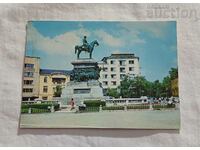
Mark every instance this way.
x=115 y=67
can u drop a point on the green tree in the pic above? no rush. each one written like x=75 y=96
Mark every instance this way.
x=113 y=92
x=156 y=88
x=173 y=73
x=134 y=87
x=166 y=87
x=58 y=91
x=149 y=89
x=140 y=86
x=125 y=87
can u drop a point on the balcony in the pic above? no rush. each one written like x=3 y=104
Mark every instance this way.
x=58 y=81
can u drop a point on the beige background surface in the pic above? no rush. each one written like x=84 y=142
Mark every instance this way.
x=13 y=18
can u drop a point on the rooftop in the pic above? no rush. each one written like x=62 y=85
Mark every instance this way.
x=120 y=56
x=51 y=71
x=32 y=57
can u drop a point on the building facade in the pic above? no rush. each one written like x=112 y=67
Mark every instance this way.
x=31 y=78
x=41 y=83
x=115 y=67
x=51 y=81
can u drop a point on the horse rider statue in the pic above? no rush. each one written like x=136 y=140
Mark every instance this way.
x=87 y=47
x=85 y=43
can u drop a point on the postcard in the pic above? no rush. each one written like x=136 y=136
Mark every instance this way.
x=100 y=74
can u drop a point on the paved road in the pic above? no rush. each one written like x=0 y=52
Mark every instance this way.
x=168 y=119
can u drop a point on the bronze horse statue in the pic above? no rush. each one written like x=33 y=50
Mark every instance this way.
x=89 y=48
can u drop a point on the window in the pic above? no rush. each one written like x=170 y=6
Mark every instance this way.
x=105 y=76
x=105 y=69
x=28 y=74
x=112 y=69
x=130 y=68
x=28 y=82
x=112 y=62
x=113 y=76
x=45 y=79
x=105 y=82
x=122 y=69
x=29 y=66
x=122 y=62
x=28 y=90
x=82 y=91
x=114 y=82
x=131 y=61
x=45 y=89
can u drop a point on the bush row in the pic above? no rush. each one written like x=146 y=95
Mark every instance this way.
x=164 y=106
x=40 y=106
x=138 y=107
x=113 y=108
x=94 y=103
x=34 y=110
x=90 y=109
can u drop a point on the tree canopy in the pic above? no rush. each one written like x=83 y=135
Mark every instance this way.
x=139 y=86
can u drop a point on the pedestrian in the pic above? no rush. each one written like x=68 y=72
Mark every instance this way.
x=72 y=103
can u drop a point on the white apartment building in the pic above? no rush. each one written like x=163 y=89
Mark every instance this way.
x=115 y=67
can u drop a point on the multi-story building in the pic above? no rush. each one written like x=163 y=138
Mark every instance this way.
x=41 y=83
x=31 y=78
x=115 y=67
x=51 y=81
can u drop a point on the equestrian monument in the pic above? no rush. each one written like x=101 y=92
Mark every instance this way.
x=84 y=84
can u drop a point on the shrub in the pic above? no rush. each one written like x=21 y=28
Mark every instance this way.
x=113 y=108
x=138 y=107
x=39 y=106
x=94 y=103
x=164 y=106
x=24 y=110
x=34 y=110
x=90 y=109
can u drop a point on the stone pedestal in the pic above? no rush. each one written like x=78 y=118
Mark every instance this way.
x=84 y=84
x=81 y=91
x=85 y=70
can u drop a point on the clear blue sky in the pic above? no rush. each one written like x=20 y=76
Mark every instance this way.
x=154 y=43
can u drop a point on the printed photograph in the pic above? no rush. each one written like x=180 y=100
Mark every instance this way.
x=100 y=74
